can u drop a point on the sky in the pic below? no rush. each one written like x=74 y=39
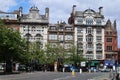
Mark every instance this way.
x=60 y=9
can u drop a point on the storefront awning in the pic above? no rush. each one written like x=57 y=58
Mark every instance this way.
x=108 y=63
x=94 y=63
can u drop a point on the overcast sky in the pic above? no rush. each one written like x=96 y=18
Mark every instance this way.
x=61 y=9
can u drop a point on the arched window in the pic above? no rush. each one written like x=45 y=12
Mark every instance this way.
x=89 y=21
x=28 y=36
x=38 y=37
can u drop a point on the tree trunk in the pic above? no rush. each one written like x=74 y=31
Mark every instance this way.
x=8 y=66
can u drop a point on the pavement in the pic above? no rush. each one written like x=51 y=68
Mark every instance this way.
x=106 y=76
x=103 y=77
x=8 y=73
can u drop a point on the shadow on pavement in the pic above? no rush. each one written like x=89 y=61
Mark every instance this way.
x=9 y=73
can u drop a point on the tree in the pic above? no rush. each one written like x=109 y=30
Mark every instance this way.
x=38 y=54
x=51 y=54
x=72 y=55
x=76 y=56
x=12 y=47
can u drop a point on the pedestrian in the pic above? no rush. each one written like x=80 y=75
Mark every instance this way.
x=117 y=76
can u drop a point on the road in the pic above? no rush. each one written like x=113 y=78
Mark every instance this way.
x=52 y=76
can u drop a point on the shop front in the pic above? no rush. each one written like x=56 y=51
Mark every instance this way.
x=111 y=64
x=94 y=66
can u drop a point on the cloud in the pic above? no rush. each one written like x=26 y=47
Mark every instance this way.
x=64 y=7
x=6 y=5
x=61 y=9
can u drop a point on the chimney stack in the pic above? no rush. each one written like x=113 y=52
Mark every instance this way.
x=73 y=9
x=100 y=10
x=20 y=11
x=47 y=12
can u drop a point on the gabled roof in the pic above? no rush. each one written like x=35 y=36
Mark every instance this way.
x=110 y=26
x=88 y=11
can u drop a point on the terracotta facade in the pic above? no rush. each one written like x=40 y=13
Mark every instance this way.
x=111 y=41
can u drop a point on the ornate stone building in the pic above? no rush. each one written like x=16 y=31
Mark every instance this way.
x=34 y=26
x=94 y=38
x=89 y=32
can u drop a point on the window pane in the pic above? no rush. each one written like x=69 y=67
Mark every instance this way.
x=109 y=40
x=79 y=30
x=89 y=21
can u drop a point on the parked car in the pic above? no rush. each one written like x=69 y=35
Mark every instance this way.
x=67 y=68
x=22 y=68
x=74 y=68
x=2 y=66
x=118 y=69
x=105 y=70
x=70 y=68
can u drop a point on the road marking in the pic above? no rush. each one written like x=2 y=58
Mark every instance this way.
x=91 y=79
x=63 y=78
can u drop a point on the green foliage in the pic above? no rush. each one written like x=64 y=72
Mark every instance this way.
x=75 y=56
x=36 y=52
x=51 y=54
x=12 y=46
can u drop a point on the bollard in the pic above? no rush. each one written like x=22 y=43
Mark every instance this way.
x=80 y=71
x=63 y=69
x=73 y=73
x=89 y=71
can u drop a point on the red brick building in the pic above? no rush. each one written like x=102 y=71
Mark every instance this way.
x=11 y=19
x=119 y=55
x=111 y=41
x=14 y=24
